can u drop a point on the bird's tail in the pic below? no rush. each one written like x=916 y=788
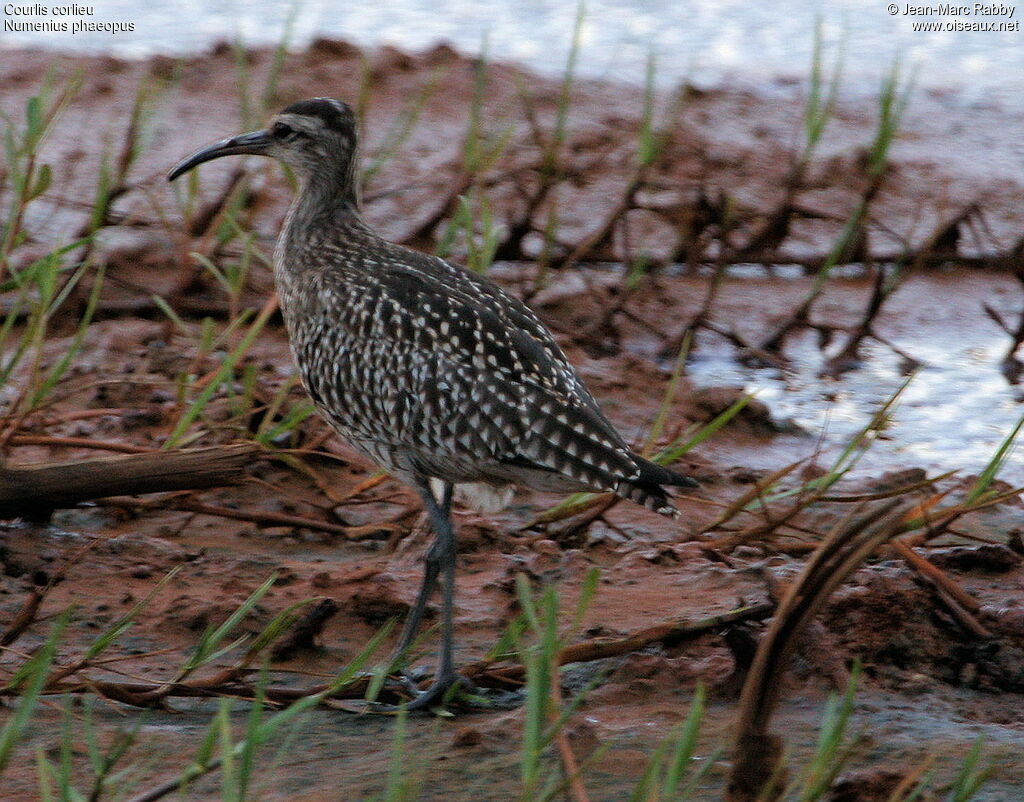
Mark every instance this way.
x=648 y=489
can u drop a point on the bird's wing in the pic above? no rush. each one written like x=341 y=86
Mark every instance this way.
x=493 y=378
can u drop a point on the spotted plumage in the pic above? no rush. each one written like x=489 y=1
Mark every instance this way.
x=430 y=370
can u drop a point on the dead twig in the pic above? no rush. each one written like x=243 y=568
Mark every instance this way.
x=958 y=601
x=1012 y=366
x=169 y=787
x=24 y=617
x=261 y=517
x=848 y=357
x=936 y=575
x=29 y=490
x=570 y=766
x=668 y=633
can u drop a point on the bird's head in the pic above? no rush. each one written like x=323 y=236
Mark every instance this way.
x=313 y=137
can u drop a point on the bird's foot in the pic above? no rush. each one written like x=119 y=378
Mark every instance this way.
x=440 y=692
x=446 y=687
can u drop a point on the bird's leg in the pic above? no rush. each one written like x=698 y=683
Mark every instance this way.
x=431 y=568
x=442 y=555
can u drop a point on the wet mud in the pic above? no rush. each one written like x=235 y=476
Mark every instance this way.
x=932 y=680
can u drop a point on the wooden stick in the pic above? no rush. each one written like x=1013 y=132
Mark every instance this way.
x=56 y=486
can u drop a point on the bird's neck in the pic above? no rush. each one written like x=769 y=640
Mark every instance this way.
x=325 y=204
x=325 y=210
x=329 y=192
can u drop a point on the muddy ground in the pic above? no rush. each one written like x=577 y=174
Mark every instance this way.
x=932 y=680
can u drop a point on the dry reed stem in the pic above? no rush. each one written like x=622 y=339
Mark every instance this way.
x=758 y=771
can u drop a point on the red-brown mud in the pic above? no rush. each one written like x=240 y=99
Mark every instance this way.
x=930 y=684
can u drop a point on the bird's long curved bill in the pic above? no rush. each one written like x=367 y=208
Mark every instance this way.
x=255 y=143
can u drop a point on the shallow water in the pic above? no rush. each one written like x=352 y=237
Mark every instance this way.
x=955 y=412
x=701 y=39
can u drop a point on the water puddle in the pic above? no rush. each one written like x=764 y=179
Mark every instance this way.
x=957 y=408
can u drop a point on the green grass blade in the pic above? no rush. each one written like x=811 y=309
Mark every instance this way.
x=209 y=643
x=669 y=396
x=827 y=762
x=268 y=97
x=250 y=743
x=44 y=772
x=971 y=775
x=686 y=744
x=101 y=643
x=995 y=464
x=226 y=369
x=229 y=779
x=673 y=452
x=397 y=786
x=587 y=592
x=39 y=667
x=57 y=372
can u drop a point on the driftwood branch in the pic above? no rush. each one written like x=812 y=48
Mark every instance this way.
x=39 y=488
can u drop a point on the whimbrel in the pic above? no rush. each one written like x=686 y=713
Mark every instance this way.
x=428 y=369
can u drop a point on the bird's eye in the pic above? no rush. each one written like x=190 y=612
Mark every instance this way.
x=285 y=132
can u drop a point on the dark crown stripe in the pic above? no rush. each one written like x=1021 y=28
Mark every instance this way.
x=333 y=113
